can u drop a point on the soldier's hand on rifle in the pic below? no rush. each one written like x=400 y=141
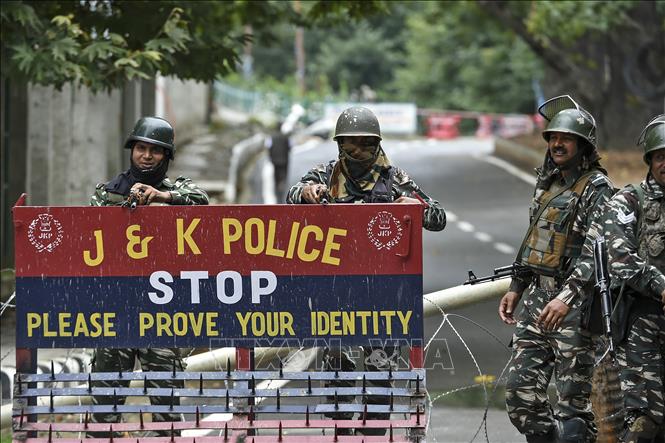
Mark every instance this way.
x=314 y=193
x=507 y=307
x=553 y=315
x=147 y=194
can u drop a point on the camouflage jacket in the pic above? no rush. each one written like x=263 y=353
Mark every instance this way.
x=434 y=218
x=183 y=192
x=576 y=272
x=627 y=261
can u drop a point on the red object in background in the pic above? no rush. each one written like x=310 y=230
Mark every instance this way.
x=443 y=126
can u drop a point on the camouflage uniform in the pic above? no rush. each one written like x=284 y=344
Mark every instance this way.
x=567 y=350
x=379 y=358
x=636 y=254
x=183 y=192
x=434 y=218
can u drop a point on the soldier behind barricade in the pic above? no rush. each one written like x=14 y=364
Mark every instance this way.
x=571 y=191
x=362 y=173
x=144 y=183
x=635 y=231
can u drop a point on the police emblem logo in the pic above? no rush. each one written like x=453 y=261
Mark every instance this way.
x=45 y=233
x=384 y=231
x=580 y=120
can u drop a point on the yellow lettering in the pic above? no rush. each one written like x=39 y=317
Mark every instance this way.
x=99 y=244
x=258 y=324
x=63 y=324
x=197 y=322
x=164 y=324
x=260 y=234
x=186 y=236
x=146 y=321
x=293 y=239
x=312 y=319
x=81 y=326
x=95 y=317
x=228 y=236
x=270 y=249
x=108 y=324
x=375 y=322
x=322 y=323
x=335 y=323
x=286 y=322
x=363 y=318
x=133 y=240
x=331 y=245
x=211 y=323
x=48 y=333
x=389 y=320
x=349 y=322
x=405 y=321
x=34 y=321
x=302 y=244
x=180 y=324
x=244 y=320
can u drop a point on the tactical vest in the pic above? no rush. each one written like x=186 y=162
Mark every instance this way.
x=652 y=233
x=550 y=240
x=382 y=192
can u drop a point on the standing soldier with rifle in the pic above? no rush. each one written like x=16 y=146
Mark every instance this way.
x=635 y=231
x=571 y=189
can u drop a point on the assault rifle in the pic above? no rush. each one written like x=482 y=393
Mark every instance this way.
x=603 y=285
x=514 y=270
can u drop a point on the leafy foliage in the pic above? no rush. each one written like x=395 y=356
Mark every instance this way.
x=458 y=58
x=101 y=44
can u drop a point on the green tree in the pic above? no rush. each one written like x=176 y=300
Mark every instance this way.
x=102 y=44
x=458 y=58
x=607 y=54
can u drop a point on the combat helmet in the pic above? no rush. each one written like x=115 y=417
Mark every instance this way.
x=565 y=115
x=652 y=137
x=153 y=130
x=357 y=121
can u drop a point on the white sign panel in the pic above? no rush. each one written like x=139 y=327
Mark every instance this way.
x=394 y=118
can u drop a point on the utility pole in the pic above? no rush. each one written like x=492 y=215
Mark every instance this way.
x=300 y=52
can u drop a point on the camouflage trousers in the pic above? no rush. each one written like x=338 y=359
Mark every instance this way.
x=641 y=359
x=566 y=353
x=151 y=359
x=375 y=359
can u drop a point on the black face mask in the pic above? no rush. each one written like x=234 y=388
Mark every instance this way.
x=124 y=182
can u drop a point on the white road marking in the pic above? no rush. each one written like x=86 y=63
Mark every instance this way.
x=483 y=237
x=465 y=226
x=307 y=146
x=451 y=216
x=511 y=169
x=504 y=248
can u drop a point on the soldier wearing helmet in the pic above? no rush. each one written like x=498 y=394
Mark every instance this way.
x=151 y=145
x=635 y=232
x=550 y=338
x=362 y=173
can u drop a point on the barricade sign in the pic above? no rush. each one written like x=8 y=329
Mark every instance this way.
x=194 y=276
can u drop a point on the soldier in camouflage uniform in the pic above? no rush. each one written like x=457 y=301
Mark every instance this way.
x=362 y=174
x=635 y=231
x=144 y=183
x=571 y=190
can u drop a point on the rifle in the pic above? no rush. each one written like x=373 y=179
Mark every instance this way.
x=603 y=285
x=514 y=270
